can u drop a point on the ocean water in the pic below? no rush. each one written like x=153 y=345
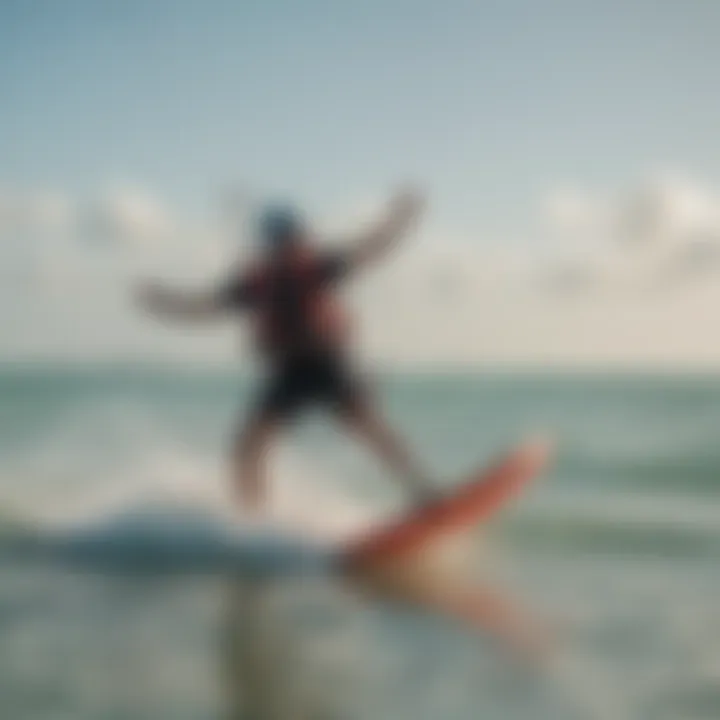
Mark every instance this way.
x=615 y=550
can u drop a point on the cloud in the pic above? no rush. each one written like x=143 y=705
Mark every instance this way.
x=666 y=228
x=127 y=218
x=34 y=212
x=632 y=279
x=71 y=255
x=669 y=214
x=572 y=211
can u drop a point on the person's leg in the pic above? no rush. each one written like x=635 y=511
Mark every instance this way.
x=364 y=421
x=277 y=403
x=248 y=459
x=337 y=384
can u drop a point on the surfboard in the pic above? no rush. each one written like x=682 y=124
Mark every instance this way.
x=475 y=500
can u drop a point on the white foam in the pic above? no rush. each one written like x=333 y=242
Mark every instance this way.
x=168 y=481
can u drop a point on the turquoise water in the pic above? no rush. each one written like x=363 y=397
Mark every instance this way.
x=616 y=549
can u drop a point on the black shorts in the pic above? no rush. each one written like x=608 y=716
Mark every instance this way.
x=320 y=379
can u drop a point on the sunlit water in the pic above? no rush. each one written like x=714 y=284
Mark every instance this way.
x=617 y=549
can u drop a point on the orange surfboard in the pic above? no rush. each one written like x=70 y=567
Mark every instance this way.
x=475 y=500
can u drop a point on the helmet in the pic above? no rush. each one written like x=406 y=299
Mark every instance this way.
x=280 y=225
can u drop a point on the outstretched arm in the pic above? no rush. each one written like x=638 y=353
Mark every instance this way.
x=173 y=304
x=403 y=212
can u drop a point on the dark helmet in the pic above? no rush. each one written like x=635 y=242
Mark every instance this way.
x=280 y=225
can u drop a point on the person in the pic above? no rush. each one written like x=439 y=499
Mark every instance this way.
x=302 y=334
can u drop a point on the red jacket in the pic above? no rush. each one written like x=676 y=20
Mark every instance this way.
x=295 y=303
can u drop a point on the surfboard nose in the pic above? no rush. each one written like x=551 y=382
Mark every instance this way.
x=475 y=500
x=537 y=450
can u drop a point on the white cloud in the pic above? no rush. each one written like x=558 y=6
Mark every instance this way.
x=663 y=209
x=670 y=210
x=667 y=228
x=124 y=217
x=127 y=218
x=568 y=210
x=437 y=301
x=48 y=271
x=35 y=212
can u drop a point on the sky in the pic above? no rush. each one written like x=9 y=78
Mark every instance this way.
x=568 y=151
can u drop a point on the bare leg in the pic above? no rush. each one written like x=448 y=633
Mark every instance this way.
x=249 y=452
x=366 y=423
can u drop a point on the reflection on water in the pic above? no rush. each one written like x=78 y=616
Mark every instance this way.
x=276 y=666
x=273 y=670
x=91 y=646
x=258 y=656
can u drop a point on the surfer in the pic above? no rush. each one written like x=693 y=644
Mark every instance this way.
x=291 y=292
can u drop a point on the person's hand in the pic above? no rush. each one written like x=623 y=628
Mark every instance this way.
x=150 y=296
x=407 y=204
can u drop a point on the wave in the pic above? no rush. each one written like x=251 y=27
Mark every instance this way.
x=174 y=538
x=171 y=510
x=165 y=540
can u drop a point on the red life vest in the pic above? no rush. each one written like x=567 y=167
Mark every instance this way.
x=294 y=308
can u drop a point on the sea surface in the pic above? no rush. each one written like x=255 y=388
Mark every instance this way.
x=616 y=550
